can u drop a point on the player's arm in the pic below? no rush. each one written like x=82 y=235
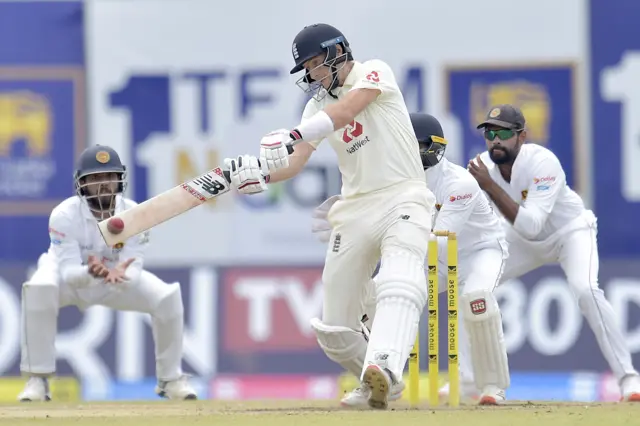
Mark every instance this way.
x=529 y=218
x=547 y=180
x=66 y=250
x=335 y=116
x=317 y=126
x=376 y=79
x=300 y=156
x=507 y=207
x=499 y=198
x=297 y=161
x=135 y=248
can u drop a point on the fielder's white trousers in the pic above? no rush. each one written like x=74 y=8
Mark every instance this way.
x=575 y=248
x=45 y=294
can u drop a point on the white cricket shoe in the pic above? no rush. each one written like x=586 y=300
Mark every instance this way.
x=468 y=393
x=379 y=382
x=492 y=395
x=359 y=397
x=630 y=389
x=36 y=389
x=176 y=389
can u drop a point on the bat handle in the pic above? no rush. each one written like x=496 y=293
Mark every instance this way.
x=227 y=175
x=289 y=148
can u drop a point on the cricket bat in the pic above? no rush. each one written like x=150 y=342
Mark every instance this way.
x=170 y=203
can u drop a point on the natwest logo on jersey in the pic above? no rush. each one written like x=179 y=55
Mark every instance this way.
x=351 y=131
x=269 y=309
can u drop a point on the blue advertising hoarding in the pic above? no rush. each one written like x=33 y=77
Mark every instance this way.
x=615 y=120
x=42 y=118
x=544 y=92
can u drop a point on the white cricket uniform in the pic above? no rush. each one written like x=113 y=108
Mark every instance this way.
x=463 y=208
x=553 y=226
x=385 y=210
x=62 y=279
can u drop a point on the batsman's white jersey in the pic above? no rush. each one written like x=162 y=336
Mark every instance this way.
x=62 y=279
x=385 y=211
x=553 y=226
x=378 y=149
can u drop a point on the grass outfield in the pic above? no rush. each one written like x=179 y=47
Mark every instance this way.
x=294 y=413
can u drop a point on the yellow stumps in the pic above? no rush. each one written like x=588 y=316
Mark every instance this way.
x=432 y=327
x=414 y=372
x=452 y=320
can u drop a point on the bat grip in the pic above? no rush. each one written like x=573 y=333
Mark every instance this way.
x=289 y=149
x=227 y=175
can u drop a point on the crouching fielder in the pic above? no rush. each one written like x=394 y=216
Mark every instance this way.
x=79 y=269
x=546 y=222
x=482 y=250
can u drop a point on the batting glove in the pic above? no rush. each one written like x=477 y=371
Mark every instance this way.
x=246 y=175
x=273 y=151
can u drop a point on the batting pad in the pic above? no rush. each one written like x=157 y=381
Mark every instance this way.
x=343 y=345
x=483 y=321
x=401 y=296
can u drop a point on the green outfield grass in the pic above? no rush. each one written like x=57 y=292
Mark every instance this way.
x=293 y=413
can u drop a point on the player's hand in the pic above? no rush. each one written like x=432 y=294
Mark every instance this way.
x=320 y=224
x=96 y=268
x=273 y=151
x=117 y=274
x=245 y=174
x=480 y=172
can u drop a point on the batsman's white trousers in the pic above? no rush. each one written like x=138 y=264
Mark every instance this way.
x=44 y=294
x=363 y=228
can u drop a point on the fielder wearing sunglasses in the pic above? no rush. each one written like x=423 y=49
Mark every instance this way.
x=547 y=223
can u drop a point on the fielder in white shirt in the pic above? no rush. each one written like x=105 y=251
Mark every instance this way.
x=546 y=222
x=80 y=270
x=462 y=208
x=385 y=210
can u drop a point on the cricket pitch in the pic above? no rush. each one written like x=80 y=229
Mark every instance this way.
x=309 y=413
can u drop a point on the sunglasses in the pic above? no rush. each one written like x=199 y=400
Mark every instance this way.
x=502 y=134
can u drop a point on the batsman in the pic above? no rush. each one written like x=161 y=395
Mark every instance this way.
x=385 y=211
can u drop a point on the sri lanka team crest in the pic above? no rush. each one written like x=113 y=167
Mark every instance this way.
x=40 y=120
